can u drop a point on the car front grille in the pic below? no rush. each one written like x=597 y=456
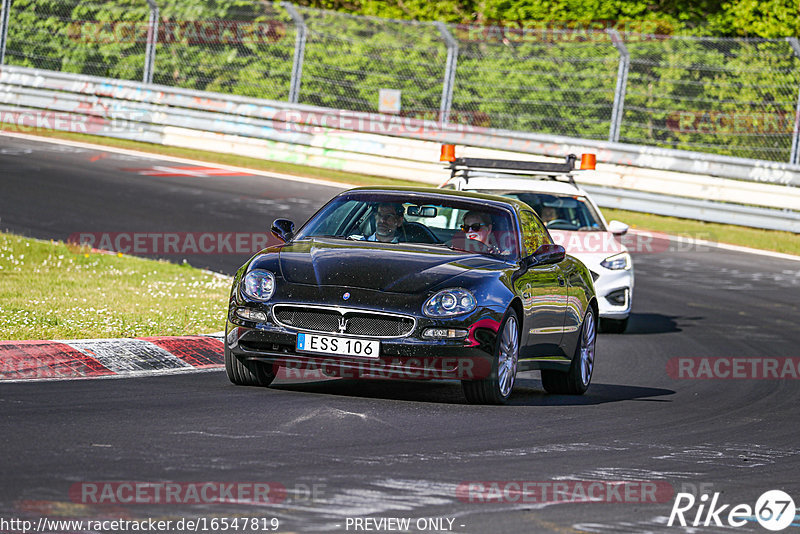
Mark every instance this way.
x=342 y=321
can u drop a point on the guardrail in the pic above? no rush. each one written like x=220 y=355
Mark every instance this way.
x=685 y=184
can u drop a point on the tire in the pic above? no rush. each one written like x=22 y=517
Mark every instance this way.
x=247 y=373
x=613 y=326
x=576 y=381
x=496 y=389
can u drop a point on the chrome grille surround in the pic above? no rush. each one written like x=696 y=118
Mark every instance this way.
x=330 y=320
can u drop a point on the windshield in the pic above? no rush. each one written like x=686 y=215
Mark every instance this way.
x=459 y=224
x=561 y=212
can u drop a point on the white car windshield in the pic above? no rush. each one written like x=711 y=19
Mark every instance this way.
x=561 y=212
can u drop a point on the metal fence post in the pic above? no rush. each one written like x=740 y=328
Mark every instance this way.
x=152 y=39
x=622 y=83
x=6 y=6
x=299 y=51
x=794 y=156
x=449 y=72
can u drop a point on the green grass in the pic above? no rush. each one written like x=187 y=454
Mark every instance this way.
x=785 y=242
x=52 y=290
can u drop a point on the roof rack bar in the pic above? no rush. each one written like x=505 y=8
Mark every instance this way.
x=507 y=164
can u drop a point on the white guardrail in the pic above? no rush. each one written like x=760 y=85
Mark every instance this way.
x=700 y=186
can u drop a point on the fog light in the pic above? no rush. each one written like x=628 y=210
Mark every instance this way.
x=251 y=315
x=618 y=297
x=444 y=333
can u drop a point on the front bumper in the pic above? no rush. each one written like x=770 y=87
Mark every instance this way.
x=409 y=357
x=609 y=284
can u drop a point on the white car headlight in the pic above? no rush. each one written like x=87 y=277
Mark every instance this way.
x=450 y=302
x=259 y=285
x=617 y=262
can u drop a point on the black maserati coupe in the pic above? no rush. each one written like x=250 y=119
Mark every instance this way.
x=415 y=283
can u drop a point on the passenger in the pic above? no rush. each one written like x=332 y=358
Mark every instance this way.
x=478 y=227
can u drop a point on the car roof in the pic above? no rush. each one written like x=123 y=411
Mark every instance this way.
x=497 y=200
x=511 y=183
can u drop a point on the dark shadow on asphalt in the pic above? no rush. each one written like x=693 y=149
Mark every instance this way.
x=655 y=323
x=527 y=392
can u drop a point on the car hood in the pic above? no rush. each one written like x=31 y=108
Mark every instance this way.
x=589 y=247
x=399 y=268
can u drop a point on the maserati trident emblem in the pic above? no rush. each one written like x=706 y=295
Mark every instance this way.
x=342 y=325
x=346 y=295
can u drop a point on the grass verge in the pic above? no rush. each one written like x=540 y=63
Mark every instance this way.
x=785 y=242
x=52 y=290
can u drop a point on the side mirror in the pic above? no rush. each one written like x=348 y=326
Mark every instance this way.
x=617 y=227
x=283 y=229
x=548 y=254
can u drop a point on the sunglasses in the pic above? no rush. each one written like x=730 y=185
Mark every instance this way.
x=475 y=227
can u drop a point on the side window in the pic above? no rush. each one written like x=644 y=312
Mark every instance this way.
x=534 y=233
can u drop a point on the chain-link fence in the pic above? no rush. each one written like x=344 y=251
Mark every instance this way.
x=728 y=96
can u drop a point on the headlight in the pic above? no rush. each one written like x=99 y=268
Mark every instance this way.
x=449 y=302
x=617 y=262
x=259 y=285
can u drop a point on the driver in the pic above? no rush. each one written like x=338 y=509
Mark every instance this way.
x=388 y=220
x=547 y=214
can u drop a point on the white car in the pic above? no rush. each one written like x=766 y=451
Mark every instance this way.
x=573 y=219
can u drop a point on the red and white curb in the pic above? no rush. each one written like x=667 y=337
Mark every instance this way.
x=108 y=358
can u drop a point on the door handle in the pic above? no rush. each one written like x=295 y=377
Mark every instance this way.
x=561 y=281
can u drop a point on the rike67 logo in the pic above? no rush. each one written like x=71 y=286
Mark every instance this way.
x=774 y=510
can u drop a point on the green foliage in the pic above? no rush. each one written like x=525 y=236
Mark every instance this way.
x=548 y=66
x=729 y=97
x=761 y=18
x=753 y=18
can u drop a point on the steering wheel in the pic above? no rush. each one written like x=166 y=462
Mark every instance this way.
x=418 y=233
x=557 y=221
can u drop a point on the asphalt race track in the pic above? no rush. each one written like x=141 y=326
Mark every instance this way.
x=345 y=449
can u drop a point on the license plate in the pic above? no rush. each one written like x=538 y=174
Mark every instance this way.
x=341 y=346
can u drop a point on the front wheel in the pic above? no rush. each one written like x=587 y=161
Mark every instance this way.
x=247 y=372
x=496 y=389
x=576 y=380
